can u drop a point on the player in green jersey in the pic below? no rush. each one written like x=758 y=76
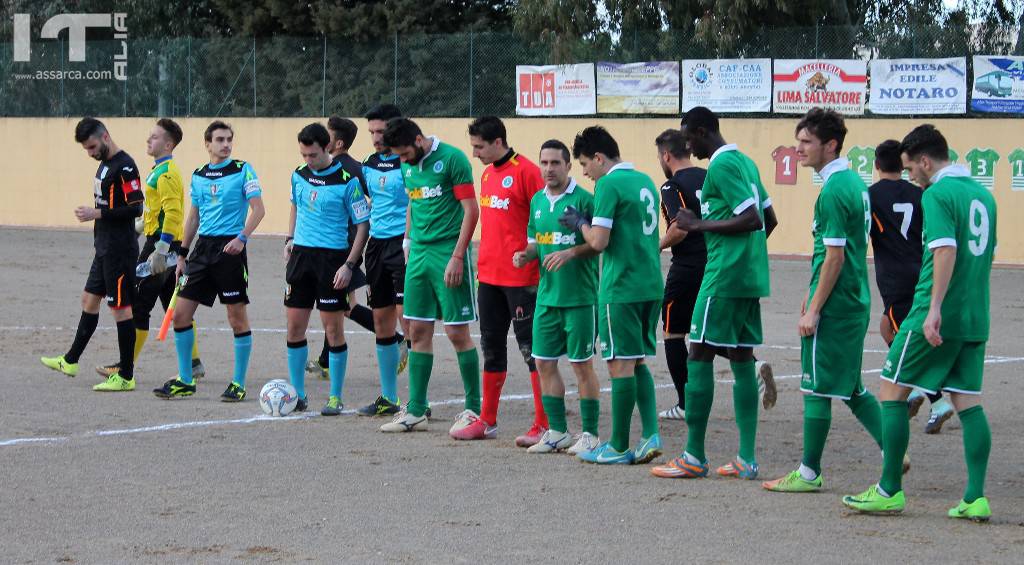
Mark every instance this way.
x=941 y=344
x=625 y=228
x=736 y=217
x=835 y=313
x=440 y=220
x=565 y=318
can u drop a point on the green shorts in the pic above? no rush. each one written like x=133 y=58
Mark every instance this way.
x=726 y=322
x=427 y=298
x=832 y=358
x=568 y=331
x=628 y=330
x=954 y=366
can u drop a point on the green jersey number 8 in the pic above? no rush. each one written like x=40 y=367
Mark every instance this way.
x=648 y=198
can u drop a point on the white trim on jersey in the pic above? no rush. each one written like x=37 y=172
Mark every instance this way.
x=602 y=222
x=834 y=241
x=942 y=242
x=743 y=206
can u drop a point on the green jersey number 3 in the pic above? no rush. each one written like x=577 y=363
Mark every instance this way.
x=648 y=198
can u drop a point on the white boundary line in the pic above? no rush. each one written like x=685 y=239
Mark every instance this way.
x=29 y=441
x=320 y=332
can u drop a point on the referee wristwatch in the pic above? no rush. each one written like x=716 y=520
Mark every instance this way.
x=351 y=266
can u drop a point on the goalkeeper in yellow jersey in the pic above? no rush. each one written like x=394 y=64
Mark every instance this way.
x=163 y=225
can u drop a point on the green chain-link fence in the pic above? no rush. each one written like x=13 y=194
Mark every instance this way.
x=426 y=75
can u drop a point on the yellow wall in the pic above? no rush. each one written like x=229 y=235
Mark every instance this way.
x=48 y=174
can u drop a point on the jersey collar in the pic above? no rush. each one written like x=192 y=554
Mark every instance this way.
x=511 y=154
x=951 y=170
x=334 y=166
x=433 y=147
x=722 y=149
x=623 y=166
x=163 y=159
x=220 y=165
x=836 y=165
x=568 y=189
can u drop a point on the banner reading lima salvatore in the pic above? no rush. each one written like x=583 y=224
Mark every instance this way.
x=802 y=84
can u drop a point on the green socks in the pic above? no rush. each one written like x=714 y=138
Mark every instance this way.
x=865 y=408
x=645 y=402
x=817 y=420
x=590 y=409
x=623 y=400
x=554 y=407
x=419 y=375
x=700 y=394
x=745 y=401
x=895 y=437
x=977 y=445
x=469 y=368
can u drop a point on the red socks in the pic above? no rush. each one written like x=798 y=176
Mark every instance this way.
x=493 y=382
x=539 y=417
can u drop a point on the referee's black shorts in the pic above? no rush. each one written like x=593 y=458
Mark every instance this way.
x=681 y=287
x=211 y=273
x=310 y=279
x=385 y=271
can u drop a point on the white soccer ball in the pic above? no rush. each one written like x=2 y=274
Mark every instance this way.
x=278 y=398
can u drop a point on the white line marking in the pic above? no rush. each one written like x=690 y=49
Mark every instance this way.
x=320 y=332
x=305 y=416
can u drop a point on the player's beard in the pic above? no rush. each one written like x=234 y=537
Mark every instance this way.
x=104 y=153
x=417 y=155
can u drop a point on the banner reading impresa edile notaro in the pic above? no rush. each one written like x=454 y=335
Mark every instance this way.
x=998 y=84
x=728 y=85
x=918 y=86
x=802 y=84
x=555 y=90
x=638 y=88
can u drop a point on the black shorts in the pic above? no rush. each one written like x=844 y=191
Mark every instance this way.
x=681 y=287
x=310 y=279
x=385 y=271
x=148 y=291
x=896 y=311
x=210 y=273
x=113 y=275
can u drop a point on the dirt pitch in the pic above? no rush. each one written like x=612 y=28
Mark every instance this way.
x=93 y=478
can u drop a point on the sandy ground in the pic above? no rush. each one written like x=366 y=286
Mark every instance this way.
x=93 y=478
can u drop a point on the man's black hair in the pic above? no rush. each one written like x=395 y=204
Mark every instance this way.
x=489 y=128
x=594 y=140
x=401 y=132
x=88 y=127
x=826 y=125
x=925 y=140
x=344 y=129
x=315 y=133
x=555 y=144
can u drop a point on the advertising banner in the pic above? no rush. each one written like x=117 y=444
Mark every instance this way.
x=918 y=86
x=802 y=84
x=638 y=88
x=998 y=84
x=728 y=85
x=555 y=90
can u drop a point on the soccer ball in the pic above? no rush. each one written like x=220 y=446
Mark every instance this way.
x=278 y=398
